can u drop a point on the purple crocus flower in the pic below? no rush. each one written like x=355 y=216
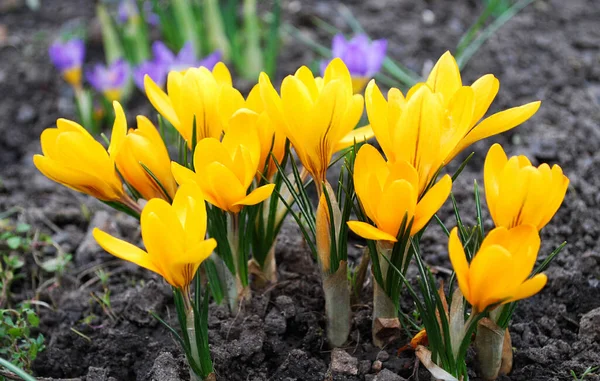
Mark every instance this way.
x=109 y=80
x=128 y=10
x=68 y=58
x=362 y=57
x=165 y=61
x=156 y=71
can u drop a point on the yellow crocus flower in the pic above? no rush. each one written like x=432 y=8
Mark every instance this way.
x=446 y=81
x=317 y=115
x=174 y=237
x=388 y=191
x=452 y=113
x=72 y=157
x=191 y=94
x=144 y=145
x=409 y=130
x=518 y=193
x=225 y=169
x=272 y=139
x=499 y=272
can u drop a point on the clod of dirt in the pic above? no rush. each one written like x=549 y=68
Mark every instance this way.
x=98 y=374
x=589 y=326
x=383 y=356
x=150 y=298
x=286 y=306
x=364 y=366
x=343 y=363
x=299 y=366
x=165 y=368
x=387 y=375
x=275 y=322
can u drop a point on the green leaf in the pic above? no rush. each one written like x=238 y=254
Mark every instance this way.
x=14 y=242
x=22 y=227
x=32 y=318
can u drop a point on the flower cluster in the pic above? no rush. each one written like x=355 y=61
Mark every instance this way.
x=231 y=183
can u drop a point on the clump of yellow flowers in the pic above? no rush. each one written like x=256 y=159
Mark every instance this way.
x=220 y=212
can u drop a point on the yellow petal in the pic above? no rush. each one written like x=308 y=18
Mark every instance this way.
x=124 y=250
x=431 y=202
x=190 y=208
x=495 y=161
x=69 y=125
x=211 y=150
x=306 y=77
x=358 y=135
x=459 y=262
x=377 y=111
x=491 y=277
x=497 y=123
x=48 y=142
x=119 y=129
x=78 y=180
x=445 y=77
x=182 y=174
x=485 y=90
x=222 y=74
x=198 y=253
x=337 y=70
x=160 y=101
x=458 y=124
x=368 y=231
x=257 y=195
x=229 y=101
x=523 y=242
x=223 y=187
x=530 y=287
x=162 y=232
x=398 y=199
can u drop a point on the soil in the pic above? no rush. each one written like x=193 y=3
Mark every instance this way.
x=550 y=51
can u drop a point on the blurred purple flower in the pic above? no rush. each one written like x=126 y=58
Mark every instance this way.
x=68 y=58
x=109 y=80
x=156 y=71
x=165 y=61
x=128 y=10
x=362 y=57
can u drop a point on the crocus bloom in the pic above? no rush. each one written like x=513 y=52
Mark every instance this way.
x=173 y=236
x=499 y=272
x=362 y=57
x=72 y=157
x=518 y=193
x=445 y=80
x=389 y=191
x=317 y=115
x=272 y=141
x=192 y=95
x=225 y=169
x=68 y=58
x=109 y=80
x=144 y=145
x=409 y=130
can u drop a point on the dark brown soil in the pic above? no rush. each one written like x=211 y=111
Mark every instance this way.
x=551 y=51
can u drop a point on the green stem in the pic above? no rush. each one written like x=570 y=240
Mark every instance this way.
x=337 y=305
x=235 y=288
